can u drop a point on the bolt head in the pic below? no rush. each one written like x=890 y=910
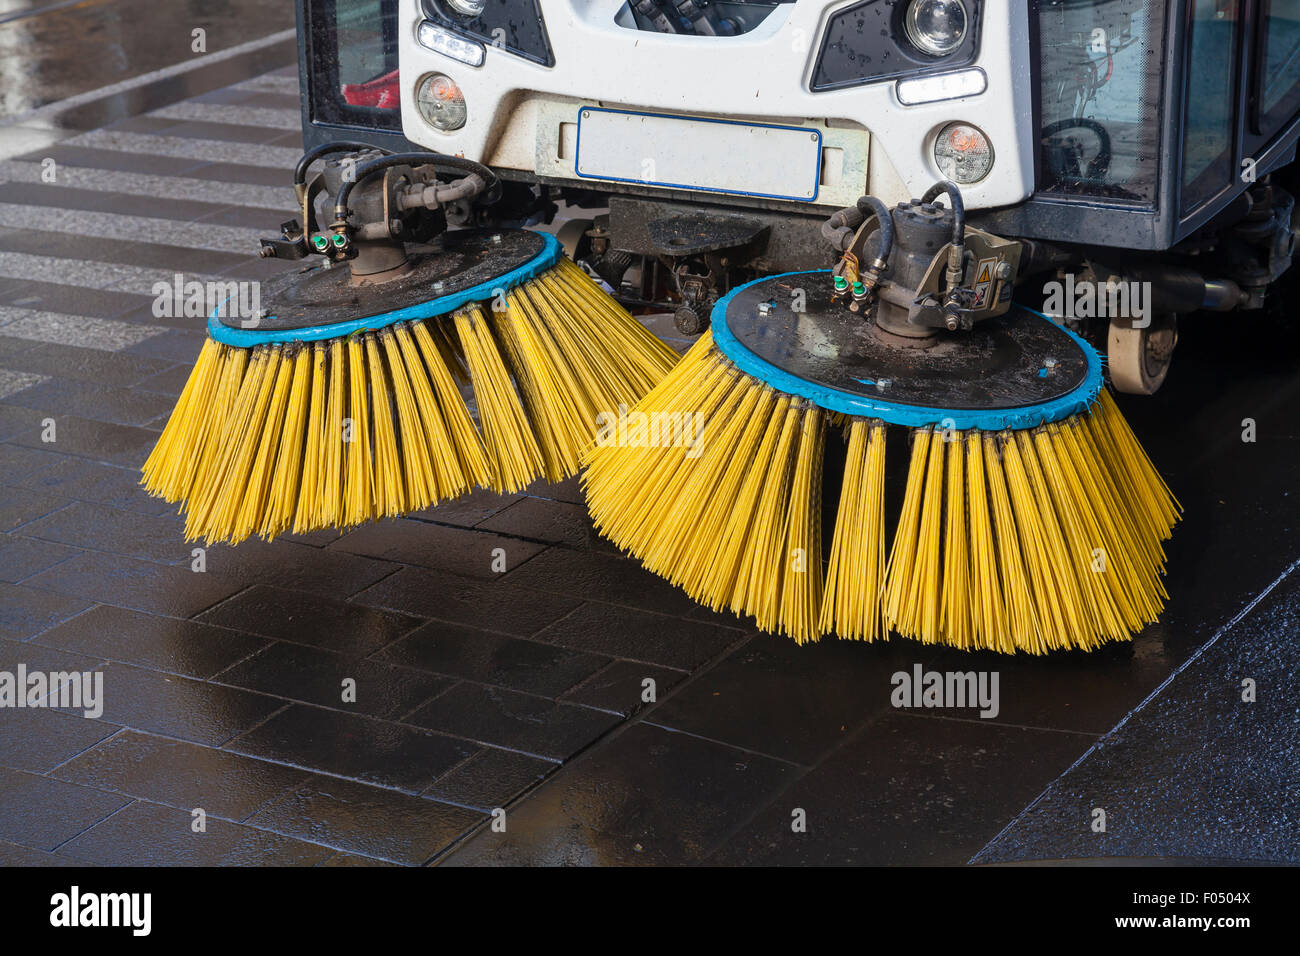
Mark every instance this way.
x=1050 y=362
x=884 y=382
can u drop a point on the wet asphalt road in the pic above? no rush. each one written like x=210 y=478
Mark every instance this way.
x=53 y=49
x=523 y=690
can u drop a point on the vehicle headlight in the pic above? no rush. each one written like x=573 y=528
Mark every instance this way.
x=440 y=102
x=467 y=8
x=936 y=27
x=963 y=153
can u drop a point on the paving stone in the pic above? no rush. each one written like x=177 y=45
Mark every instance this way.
x=640 y=636
x=11 y=854
x=188 y=648
x=468 y=510
x=620 y=687
x=367 y=749
x=645 y=796
x=101 y=403
x=96 y=527
x=43 y=814
x=504 y=718
x=73 y=300
x=457 y=551
x=18 y=506
x=278 y=613
x=462 y=601
x=599 y=577
x=22 y=557
x=17 y=462
x=39 y=739
x=102 y=441
x=333 y=574
x=490 y=658
x=370 y=821
x=491 y=779
x=83 y=480
x=146 y=834
x=175 y=706
x=790 y=702
x=26 y=612
x=907 y=790
x=316 y=676
x=556 y=522
x=169 y=590
x=181 y=774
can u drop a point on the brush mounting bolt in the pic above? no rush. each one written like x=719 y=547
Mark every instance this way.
x=883 y=383
x=765 y=308
x=1050 y=363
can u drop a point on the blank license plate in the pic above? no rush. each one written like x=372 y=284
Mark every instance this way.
x=748 y=159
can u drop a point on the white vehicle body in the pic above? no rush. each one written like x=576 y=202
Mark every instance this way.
x=526 y=116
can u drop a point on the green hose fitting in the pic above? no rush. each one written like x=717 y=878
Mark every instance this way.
x=841 y=283
x=340 y=240
x=320 y=242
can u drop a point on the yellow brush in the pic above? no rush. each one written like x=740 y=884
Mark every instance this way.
x=1021 y=528
x=307 y=428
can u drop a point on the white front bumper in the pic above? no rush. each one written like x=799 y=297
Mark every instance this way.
x=518 y=109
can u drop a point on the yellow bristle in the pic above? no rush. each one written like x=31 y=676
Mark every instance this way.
x=330 y=499
x=801 y=588
x=169 y=470
x=286 y=479
x=558 y=400
x=1131 y=461
x=512 y=449
x=921 y=614
x=463 y=460
x=213 y=516
x=622 y=480
x=719 y=478
x=1023 y=628
x=955 y=609
x=358 y=473
x=855 y=574
x=989 y=624
x=758 y=592
x=418 y=474
x=903 y=554
x=256 y=493
x=389 y=486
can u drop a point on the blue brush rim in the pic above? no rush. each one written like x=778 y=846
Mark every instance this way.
x=551 y=254
x=1075 y=402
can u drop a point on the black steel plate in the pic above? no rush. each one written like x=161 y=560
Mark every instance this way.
x=459 y=260
x=1001 y=363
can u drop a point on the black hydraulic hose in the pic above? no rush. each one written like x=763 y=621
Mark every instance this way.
x=870 y=205
x=958 y=208
x=300 y=171
x=369 y=168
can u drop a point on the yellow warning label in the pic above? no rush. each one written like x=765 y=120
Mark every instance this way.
x=985 y=276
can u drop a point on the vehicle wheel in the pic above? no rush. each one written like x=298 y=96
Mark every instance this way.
x=573 y=236
x=688 y=321
x=1139 y=358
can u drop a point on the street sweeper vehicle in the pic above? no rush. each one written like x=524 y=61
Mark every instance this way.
x=925 y=214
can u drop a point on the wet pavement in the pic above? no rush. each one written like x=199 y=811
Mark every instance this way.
x=526 y=690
